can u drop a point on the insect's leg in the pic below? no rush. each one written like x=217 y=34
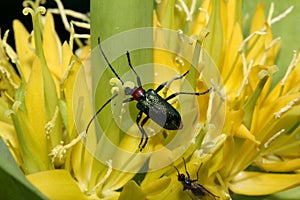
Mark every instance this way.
x=144 y=135
x=188 y=93
x=98 y=111
x=187 y=173
x=168 y=83
x=138 y=79
x=197 y=173
x=128 y=100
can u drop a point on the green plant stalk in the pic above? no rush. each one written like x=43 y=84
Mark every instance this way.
x=109 y=18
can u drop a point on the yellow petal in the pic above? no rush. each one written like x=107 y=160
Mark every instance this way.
x=256 y=183
x=231 y=68
x=56 y=184
x=282 y=166
x=35 y=104
x=25 y=54
x=242 y=132
x=214 y=42
x=157 y=186
x=52 y=47
x=132 y=191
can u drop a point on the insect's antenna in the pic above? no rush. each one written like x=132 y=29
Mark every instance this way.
x=98 y=111
x=105 y=58
x=198 y=171
x=177 y=170
x=185 y=167
x=138 y=79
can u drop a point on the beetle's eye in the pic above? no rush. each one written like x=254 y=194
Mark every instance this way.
x=128 y=91
x=181 y=177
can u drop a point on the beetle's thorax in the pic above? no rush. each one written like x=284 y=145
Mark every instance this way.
x=138 y=93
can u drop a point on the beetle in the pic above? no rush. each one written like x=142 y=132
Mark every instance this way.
x=189 y=184
x=149 y=102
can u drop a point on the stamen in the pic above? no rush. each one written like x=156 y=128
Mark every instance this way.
x=9 y=50
x=65 y=76
x=60 y=150
x=192 y=8
x=286 y=108
x=206 y=14
x=109 y=170
x=7 y=75
x=242 y=46
x=81 y=24
x=275 y=136
x=63 y=14
x=186 y=10
x=178 y=7
x=50 y=125
x=168 y=85
x=76 y=35
x=217 y=89
x=83 y=36
x=292 y=65
x=71 y=13
x=209 y=107
x=265 y=55
x=282 y=15
x=271 y=11
x=245 y=79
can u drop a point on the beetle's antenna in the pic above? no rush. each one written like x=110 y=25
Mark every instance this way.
x=177 y=170
x=138 y=79
x=105 y=58
x=98 y=111
x=185 y=167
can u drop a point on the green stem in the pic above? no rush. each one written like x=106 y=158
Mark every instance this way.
x=109 y=18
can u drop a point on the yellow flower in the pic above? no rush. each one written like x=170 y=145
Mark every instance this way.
x=37 y=99
x=261 y=123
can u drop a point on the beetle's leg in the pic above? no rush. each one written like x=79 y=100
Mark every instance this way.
x=128 y=100
x=146 y=136
x=187 y=173
x=188 y=93
x=168 y=83
x=140 y=126
x=197 y=173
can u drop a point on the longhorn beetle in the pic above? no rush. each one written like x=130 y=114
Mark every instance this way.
x=189 y=184
x=148 y=102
